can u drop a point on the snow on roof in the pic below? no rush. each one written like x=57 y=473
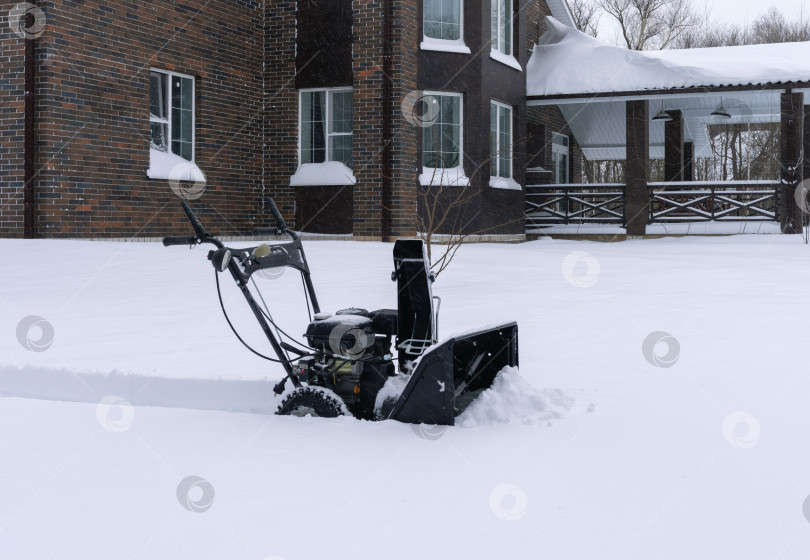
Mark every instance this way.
x=561 y=12
x=567 y=61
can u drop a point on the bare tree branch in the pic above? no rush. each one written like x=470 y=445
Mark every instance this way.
x=586 y=16
x=651 y=24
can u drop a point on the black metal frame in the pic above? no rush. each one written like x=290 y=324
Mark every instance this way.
x=287 y=254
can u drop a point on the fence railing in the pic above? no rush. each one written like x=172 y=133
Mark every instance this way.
x=574 y=204
x=670 y=202
x=731 y=201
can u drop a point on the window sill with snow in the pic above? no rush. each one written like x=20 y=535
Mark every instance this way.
x=444 y=45
x=506 y=183
x=449 y=177
x=507 y=59
x=164 y=165
x=326 y=173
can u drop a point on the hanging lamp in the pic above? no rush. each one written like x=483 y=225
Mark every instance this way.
x=721 y=111
x=662 y=115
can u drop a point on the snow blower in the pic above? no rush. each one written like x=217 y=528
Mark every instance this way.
x=347 y=365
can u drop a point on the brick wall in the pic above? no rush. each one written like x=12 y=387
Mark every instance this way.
x=542 y=11
x=535 y=12
x=93 y=115
x=404 y=165
x=12 y=90
x=367 y=66
x=281 y=109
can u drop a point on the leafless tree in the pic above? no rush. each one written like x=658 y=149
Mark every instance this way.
x=443 y=212
x=712 y=34
x=773 y=27
x=586 y=16
x=602 y=171
x=650 y=24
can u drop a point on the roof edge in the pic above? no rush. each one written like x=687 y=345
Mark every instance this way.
x=572 y=97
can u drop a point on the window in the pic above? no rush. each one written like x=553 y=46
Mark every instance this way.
x=442 y=148
x=500 y=147
x=501 y=37
x=171 y=113
x=326 y=126
x=171 y=131
x=501 y=22
x=500 y=140
x=442 y=19
x=441 y=143
x=559 y=157
x=443 y=26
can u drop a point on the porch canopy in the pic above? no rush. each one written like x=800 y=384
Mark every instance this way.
x=632 y=106
x=591 y=82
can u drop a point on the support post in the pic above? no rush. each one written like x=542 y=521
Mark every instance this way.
x=673 y=147
x=636 y=170
x=688 y=161
x=792 y=128
x=806 y=158
x=806 y=145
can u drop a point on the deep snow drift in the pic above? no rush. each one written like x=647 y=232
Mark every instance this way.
x=510 y=400
x=685 y=360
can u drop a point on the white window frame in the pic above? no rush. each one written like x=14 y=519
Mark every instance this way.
x=495 y=41
x=329 y=171
x=169 y=165
x=445 y=45
x=446 y=175
x=168 y=119
x=497 y=181
x=327 y=119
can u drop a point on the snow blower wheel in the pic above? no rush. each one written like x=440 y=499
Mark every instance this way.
x=346 y=359
x=307 y=401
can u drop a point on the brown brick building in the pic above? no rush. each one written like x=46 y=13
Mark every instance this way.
x=343 y=111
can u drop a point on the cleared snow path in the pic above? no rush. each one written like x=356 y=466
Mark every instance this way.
x=229 y=395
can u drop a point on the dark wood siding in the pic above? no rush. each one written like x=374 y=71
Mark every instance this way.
x=324 y=209
x=324 y=44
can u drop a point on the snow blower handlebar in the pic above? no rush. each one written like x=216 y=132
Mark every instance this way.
x=200 y=237
x=242 y=263
x=195 y=223
x=281 y=225
x=179 y=240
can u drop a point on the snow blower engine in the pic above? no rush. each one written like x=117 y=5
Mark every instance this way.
x=347 y=365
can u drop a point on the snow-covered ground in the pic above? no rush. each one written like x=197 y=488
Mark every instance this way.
x=672 y=374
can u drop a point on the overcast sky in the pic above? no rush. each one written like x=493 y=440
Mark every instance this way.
x=742 y=11
x=731 y=11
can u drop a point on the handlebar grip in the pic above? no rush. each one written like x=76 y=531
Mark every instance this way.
x=276 y=214
x=195 y=223
x=179 y=240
